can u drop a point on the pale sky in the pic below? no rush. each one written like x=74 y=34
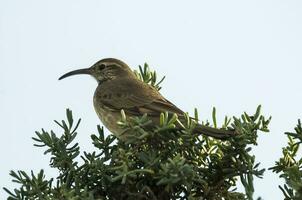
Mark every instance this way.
x=230 y=54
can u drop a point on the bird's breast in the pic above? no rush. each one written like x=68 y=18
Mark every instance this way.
x=107 y=117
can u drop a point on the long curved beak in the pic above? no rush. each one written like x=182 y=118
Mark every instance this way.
x=76 y=72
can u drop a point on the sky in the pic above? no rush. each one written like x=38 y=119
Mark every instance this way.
x=233 y=55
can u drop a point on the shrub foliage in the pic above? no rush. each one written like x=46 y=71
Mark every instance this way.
x=156 y=163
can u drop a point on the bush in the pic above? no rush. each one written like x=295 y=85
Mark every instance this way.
x=157 y=163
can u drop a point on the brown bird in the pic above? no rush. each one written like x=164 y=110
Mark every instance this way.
x=119 y=89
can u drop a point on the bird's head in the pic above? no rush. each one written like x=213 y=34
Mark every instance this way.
x=104 y=70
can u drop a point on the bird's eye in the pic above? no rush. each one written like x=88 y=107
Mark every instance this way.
x=101 y=67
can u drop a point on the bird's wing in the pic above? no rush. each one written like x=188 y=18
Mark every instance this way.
x=134 y=97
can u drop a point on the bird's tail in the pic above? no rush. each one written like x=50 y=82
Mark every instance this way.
x=213 y=132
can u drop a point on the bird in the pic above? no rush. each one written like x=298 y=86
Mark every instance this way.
x=120 y=89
